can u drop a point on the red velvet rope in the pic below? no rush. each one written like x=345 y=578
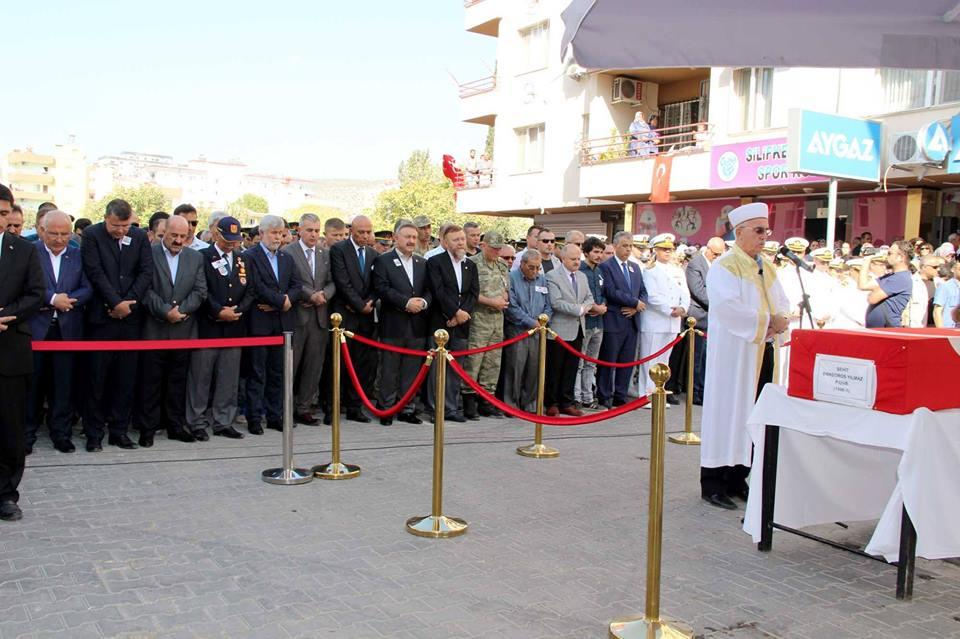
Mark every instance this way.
x=543 y=419
x=484 y=349
x=601 y=362
x=396 y=408
x=387 y=347
x=155 y=344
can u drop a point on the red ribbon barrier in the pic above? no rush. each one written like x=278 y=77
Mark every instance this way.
x=543 y=419
x=601 y=362
x=396 y=408
x=386 y=347
x=155 y=344
x=484 y=349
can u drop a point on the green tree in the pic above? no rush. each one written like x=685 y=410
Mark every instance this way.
x=488 y=145
x=145 y=200
x=322 y=211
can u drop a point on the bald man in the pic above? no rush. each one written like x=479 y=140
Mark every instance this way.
x=696 y=274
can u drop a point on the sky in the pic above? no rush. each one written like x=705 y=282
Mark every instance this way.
x=314 y=89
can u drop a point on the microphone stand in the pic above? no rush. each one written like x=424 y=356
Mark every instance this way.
x=804 y=304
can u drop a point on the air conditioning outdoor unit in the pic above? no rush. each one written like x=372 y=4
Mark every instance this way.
x=903 y=150
x=634 y=92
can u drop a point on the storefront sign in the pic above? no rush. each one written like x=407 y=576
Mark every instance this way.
x=833 y=145
x=934 y=143
x=757 y=163
x=953 y=163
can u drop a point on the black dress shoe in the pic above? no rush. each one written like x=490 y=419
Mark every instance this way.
x=740 y=493
x=410 y=418
x=201 y=435
x=145 y=440
x=93 y=446
x=386 y=421
x=181 y=436
x=605 y=404
x=305 y=418
x=121 y=441
x=275 y=426
x=673 y=400
x=357 y=416
x=229 y=432
x=327 y=420
x=460 y=419
x=618 y=402
x=65 y=446
x=720 y=501
x=9 y=511
x=255 y=428
x=697 y=401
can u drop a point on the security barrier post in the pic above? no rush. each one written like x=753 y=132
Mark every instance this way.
x=287 y=475
x=538 y=449
x=335 y=469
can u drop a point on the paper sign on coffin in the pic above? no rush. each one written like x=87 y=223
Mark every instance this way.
x=914 y=367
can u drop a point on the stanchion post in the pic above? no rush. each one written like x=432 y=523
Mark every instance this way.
x=436 y=524
x=538 y=449
x=335 y=469
x=287 y=475
x=651 y=625
x=689 y=437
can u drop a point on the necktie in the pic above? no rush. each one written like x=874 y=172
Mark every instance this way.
x=626 y=273
x=363 y=261
x=228 y=257
x=310 y=261
x=573 y=283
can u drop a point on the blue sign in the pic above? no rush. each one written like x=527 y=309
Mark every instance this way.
x=934 y=143
x=953 y=163
x=834 y=145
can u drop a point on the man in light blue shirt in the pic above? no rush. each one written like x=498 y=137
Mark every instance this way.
x=947 y=299
x=529 y=298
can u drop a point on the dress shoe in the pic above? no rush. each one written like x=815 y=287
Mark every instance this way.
x=121 y=441
x=410 y=418
x=64 y=446
x=618 y=402
x=181 y=436
x=327 y=419
x=275 y=425
x=386 y=421
x=305 y=418
x=606 y=404
x=357 y=416
x=486 y=409
x=201 y=435
x=9 y=511
x=573 y=411
x=673 y=400
x=553 y=411
x=720 y=501
x=470 y=407
x=93 y=446
x=460 y=419
x=146 y=440
x=255 y=428
x=740 y=493
x=229 y=432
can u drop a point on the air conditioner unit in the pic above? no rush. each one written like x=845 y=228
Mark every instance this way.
x=635 y=92
x=903 y=150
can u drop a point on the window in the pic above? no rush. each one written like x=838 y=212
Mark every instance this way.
x=753 y=88
x=534 y=42
x=913 y=89
x=530 y=148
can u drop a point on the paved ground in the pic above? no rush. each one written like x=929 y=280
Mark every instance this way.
x=184 y=540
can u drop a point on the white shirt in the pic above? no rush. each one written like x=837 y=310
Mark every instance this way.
x=198 y=244
x=1 y=242
x=458 y=269
x=406 y=261
x=173 y=262
x=55 y=263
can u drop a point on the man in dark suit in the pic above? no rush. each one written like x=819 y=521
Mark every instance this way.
x=455 y=285
x=313 y=319
x=696 y=274
x=352 y=264
x=21 y=293
x=277 y=285
x=216 y=371
x=119 y=265
x=179 y=288
x=626 y=299
x=60 y=318
x=400 y=281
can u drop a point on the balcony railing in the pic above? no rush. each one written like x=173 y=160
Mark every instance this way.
x=476 y=87
x=469 y=180
x=684 y=138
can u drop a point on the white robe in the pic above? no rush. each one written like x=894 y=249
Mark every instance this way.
x=851 y=306
x=741 y=304
x=666 y=288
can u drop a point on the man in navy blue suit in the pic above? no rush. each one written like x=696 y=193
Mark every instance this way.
x=277 y=285
x=60 y=318
x=626 y=299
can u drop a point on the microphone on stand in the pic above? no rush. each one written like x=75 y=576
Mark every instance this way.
x=797 y=261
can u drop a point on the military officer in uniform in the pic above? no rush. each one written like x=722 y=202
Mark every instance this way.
x=425 y=241
x=487 y=325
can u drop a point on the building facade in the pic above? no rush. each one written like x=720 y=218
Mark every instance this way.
x=59 y=177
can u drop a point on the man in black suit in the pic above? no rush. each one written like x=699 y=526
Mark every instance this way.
x=21 y=293
x=455 y=285
x=277 y=285
x=696 y=273
x=351 y=262
x=215 y=372
x=400 y=281
x=119 y=265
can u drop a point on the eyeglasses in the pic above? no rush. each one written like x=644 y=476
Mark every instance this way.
x=550 y=241
x=761 y=230
x=193 y=223
x=509 y=258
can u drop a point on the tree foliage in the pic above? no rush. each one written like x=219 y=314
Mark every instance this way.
x=248 y=207
x=322 y=211
x=145 y=200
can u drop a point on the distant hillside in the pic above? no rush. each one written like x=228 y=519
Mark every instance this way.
x=351 y=196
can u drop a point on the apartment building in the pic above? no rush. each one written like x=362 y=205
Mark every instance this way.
x=59 y=176
x=563 y=154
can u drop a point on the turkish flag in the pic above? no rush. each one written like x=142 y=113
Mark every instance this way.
x=660 y=190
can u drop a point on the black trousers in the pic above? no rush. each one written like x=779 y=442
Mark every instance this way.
x=264 y=385
x=364 y=361
x=163 y=391
x=111 y=383
x=397 y=372
x=726 y=479
x=13 y=400
x=52 y=383
x=561 y=373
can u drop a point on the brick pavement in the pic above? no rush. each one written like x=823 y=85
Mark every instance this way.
x=184 y=540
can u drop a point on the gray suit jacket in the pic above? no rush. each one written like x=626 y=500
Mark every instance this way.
x=320 y=280
x=696 y=273
x=566 y=305
x=188 y=292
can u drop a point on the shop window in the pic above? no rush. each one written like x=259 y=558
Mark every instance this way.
x=530 y=148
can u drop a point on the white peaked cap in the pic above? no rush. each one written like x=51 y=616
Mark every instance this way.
x=746 y=212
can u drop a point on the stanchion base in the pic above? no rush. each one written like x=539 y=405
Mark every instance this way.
x=538 y=451
x=639 y=627
x=335 y=471
x=287 y=476
x=435 y=527
x=688 y=439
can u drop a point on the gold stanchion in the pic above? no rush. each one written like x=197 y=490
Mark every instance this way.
x=538 y=449
x=335 y=469
x=651 y=625
x=689 y=437
x=436 y=524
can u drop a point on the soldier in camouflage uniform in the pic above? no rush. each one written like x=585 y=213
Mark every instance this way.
x=425 y=241
x=486 y=326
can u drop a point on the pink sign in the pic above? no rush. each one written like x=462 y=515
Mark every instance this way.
x=690 y=222
x=757 y=163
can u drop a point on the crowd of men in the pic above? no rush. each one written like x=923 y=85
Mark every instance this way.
x=614 y=301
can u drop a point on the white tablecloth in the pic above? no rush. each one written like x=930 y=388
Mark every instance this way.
x=839 y=463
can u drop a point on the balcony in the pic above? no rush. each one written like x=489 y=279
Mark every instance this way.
x=31 y=178
x=478 y=101
x=483 y=16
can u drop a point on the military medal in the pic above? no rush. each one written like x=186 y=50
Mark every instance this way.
x=242 y=272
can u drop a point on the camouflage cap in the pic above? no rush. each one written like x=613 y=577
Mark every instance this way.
x=421 y=221
x=493 y=239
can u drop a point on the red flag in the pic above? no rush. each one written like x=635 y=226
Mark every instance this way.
x=660 y=189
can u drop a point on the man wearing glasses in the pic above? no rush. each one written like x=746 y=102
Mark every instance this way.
x=546 y=242
x=188 y=212
x=748 y=310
